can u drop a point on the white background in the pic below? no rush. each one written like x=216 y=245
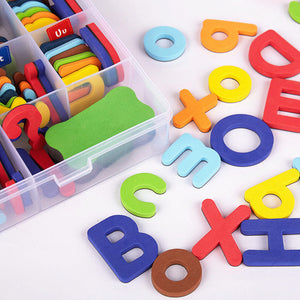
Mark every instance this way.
x=49 y=255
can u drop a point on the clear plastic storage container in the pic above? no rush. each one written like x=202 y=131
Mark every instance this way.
x=97 y=163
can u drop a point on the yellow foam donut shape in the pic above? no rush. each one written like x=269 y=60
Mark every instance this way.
x=44 y=111
x=276 y=185
x=226 y=72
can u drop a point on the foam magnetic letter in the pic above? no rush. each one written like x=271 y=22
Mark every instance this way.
x=195 y=110
x=274 y=186
x=113 y=252
x=200 y=153
x=217 y=76
x=276 y=255
x=221 y=232
x=273 y=39
x=137 y=182
x=231 y=29
x=242 y=159
x=276 y=103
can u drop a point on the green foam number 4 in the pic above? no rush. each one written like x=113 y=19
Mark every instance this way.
x=294 y=11
x=137 y=182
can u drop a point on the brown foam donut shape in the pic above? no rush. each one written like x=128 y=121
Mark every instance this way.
x=182 y=287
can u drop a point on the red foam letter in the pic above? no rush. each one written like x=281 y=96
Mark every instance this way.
x=276 y=103
x=221 y=231
x=273 y=39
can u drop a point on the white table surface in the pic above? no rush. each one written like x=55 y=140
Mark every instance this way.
x=49 y=256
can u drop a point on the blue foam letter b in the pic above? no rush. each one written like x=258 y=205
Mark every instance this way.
x=113 y=252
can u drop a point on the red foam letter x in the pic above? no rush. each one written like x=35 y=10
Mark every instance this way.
x=221 y=231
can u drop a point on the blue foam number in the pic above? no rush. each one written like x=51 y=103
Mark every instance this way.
x=200 y=153
x=275 y=229
x=112 y=252
x=164 y=32
x=242 y=159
